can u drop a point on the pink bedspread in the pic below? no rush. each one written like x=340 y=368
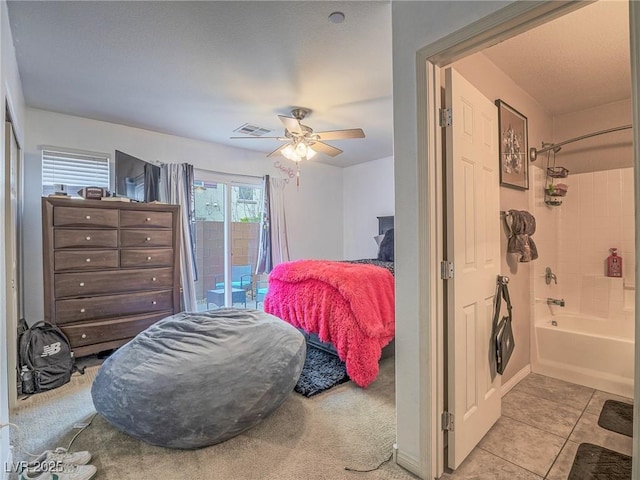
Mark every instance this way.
x=349 y=305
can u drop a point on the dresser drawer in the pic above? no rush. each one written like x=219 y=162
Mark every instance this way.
x=85 y=260
x=63 y=238
x=78 y=309
x=90 y=217
x=110 y=329
x=146 y=238
x=145 y=219
x=114 y=281
x=159 y=257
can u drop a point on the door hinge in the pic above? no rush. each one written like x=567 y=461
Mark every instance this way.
x=445 y=117
x=447 y=422
x=446 y=270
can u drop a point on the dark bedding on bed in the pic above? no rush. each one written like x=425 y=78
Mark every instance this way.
x=377 y=263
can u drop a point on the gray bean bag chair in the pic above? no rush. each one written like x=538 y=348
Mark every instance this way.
x=196 y=379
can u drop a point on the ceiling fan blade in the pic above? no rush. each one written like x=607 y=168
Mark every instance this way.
x=291 y=124
x=340 y=134
x=326 y=149
x=277 y=150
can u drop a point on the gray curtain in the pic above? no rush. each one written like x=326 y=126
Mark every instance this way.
x=265 y=261
x=274 y=245
x=177 y=188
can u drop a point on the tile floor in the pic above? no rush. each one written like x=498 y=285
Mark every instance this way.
x=543 y=422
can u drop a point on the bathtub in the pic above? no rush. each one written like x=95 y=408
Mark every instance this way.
x=590 y=351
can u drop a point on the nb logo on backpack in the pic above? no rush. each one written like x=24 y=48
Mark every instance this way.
x=52 y=349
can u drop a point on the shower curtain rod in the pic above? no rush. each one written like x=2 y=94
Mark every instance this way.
x=533 y=152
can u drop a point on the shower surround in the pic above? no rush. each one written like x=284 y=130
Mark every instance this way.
x=596 y=326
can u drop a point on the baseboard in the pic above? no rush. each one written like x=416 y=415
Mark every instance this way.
x=410 y=463
x=513 y=381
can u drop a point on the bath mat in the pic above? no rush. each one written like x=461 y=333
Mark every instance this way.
x=617 y=417
x=594 y=462
x=321 y=371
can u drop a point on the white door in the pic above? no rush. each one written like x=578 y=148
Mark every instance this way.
x=11 y=255
x=473 y=244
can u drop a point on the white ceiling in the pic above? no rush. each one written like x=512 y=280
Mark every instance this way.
x=575 y=62
x=202 y=69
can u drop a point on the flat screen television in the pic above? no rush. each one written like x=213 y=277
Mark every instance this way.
x=135 y=178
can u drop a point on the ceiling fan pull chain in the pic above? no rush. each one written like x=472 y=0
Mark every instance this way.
x=298 y=175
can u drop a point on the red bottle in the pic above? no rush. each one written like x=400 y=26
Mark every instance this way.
x=614 y=264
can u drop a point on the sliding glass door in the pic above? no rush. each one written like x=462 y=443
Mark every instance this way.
x=228 y=213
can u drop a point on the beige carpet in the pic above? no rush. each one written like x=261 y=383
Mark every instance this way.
x=306 y=438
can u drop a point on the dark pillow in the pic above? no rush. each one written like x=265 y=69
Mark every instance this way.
x=385 y=253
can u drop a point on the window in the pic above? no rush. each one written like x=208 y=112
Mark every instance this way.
x=246 y=195
x=74 y=170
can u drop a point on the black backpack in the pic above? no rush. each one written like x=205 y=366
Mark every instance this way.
x=46 y=360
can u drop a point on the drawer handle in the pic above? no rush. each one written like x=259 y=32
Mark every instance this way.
x=84 y=335
x=148 y=219
x=82 y=310
x=88 y=238
x=148 y=239
x=88 y=260
x=154 y=302
x=82 y=284
x=153 y=279
x=148 y=258
x=88 y=217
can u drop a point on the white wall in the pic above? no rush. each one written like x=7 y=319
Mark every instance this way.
x=368 y=192
x=415 y=25
x=11 y=93
x=596 y=214
x=312 y=211
x=602 y=152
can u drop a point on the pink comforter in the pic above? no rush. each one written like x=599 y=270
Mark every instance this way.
x=349 y=305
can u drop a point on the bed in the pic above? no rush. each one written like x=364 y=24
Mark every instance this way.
x=344 y=307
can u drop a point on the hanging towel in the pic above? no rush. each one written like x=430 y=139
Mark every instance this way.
x=523 y=225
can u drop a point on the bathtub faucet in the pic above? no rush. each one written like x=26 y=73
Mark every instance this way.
x=555 y=301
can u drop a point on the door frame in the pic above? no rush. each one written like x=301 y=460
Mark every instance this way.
x=13 y=229
x=512 y=20
x=11 y=324
x=229 y=181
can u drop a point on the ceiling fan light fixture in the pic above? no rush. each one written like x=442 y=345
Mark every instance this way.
x=289 y=152
x=299 y=152
x=310 y=153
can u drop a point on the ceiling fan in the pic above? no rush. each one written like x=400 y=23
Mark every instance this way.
x=302 y=142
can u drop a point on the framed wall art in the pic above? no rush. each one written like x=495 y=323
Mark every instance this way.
x=514 y=165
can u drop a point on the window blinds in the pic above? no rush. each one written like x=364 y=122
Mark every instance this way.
x=74 y=170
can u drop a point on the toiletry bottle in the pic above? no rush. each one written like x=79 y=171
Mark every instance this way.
x=614 y=264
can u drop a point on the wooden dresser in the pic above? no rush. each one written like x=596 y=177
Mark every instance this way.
x=111 y=269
